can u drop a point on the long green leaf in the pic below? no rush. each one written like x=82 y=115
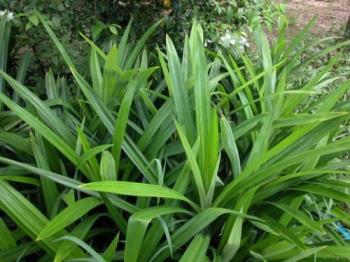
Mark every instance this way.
x=137 y=226
x=69 y=215
x=196 y=251
x=135 y=189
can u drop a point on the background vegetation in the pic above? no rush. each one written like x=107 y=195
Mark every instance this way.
x=234 y=150
x=102 y=20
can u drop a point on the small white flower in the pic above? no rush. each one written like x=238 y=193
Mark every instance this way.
x=244 y=41
x=232 y=41
x=227 y=39
x=237 y=40
x=9 y=15
x=207 y=42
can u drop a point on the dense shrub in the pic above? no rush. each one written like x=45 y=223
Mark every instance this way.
x=97 y=19
x=207 y=156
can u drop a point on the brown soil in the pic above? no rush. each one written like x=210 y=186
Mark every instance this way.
x=332 y=15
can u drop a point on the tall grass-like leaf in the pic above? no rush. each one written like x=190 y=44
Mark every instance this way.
x=5 y=30
x=80 y=231
x=49 y=188
x=43 y=110
x=69 y=215
x=15 y=141
x=205 y=115
x=161 y=117
x=90 y=42
x=136 y=189
x=50 y=85
x=21 y=251
x=304 y=119
x=298 y=215
x=307 y=253
x=6 y=239
x=101 y=110
x=299 y=37
x=122 y=47
x=234 y=74
x=178 y=88
x=123 y=113
x=155 y=234
x=285 y=232
x=22 y=71
x=137 y=226
x=197 y=175
x=234 y=240
x=260 y=146
x=111 y=250
x=130 y=148
x=24 y=214
x=290 y=104
x=129 y=62
x=195 y=225
x=107 y=167
x=326 y=192
x=270 y=78
x=232 y=235
x=343 y=215
x=110 y=74
x=229 y=144
x=91 y=153
x=66 y=181
x=266 y=171
x=70 y=183
x=41 y=128
x=95 y=71
x=85 y=246
x=331 y=251
x=197 y=249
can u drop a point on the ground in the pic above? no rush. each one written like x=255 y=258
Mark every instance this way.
x=332 y=15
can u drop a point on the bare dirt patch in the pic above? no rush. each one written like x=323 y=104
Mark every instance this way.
x=331 y=15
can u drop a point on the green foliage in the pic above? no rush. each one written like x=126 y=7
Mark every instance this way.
x=154 y=156
x=5 y=29
x=101 y=21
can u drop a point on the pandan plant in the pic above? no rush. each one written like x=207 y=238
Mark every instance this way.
x=153 y=156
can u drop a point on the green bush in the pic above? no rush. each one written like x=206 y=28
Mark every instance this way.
x=152 y=156
x=97 y=19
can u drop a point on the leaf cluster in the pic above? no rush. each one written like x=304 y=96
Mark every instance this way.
x=154 y=156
